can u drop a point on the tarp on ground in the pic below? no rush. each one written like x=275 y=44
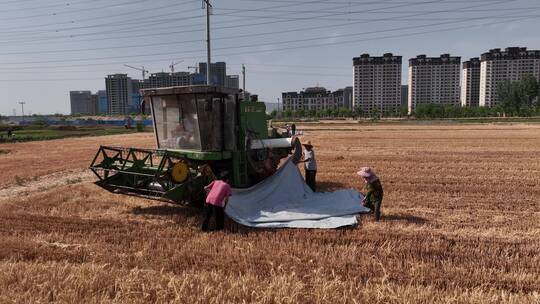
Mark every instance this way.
x=284 y=200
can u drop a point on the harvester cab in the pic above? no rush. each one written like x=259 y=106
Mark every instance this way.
x=201 y=133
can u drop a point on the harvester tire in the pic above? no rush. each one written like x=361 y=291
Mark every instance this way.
x=180 y=172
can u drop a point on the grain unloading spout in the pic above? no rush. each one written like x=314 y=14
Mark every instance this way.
x=272 y=143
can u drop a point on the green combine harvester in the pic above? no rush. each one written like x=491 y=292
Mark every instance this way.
x=202 y=132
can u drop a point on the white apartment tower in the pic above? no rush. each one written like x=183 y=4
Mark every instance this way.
x=434 y=80
x=470 y=83
x=377 y=83
x=511 y=64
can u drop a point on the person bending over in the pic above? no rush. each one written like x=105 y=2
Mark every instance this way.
x=373 y=191
x=219 y=192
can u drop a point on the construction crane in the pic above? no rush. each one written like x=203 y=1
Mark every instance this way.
x=173 y=64
x=142 y=69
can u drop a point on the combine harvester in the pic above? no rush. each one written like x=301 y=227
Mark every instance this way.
x=205 y=131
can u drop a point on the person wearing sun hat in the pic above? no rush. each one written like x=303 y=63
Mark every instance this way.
x=373 y=191
x=310 y=166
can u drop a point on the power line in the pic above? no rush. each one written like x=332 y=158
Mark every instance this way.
x=74 y=11
x=233 y=26
x=384 y=12
x=362 y=2
x=98 y=18
x=50 y=38
x=63 y=4
x=265 y=44
x=147 y=17
x=235 y=36
x=334 y=43
x=231 y=14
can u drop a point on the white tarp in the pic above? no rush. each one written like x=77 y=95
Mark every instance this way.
x=284 y=200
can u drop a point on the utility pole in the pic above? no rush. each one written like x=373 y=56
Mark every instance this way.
x=22 y=103
x=206 y=3
x=244 y=78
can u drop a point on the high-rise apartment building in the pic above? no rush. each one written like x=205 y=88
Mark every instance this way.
x=434 y=80
x=180 y=79
x=81 y=103
x=159 y=80
x=377 y=83
x=119 y=93
x=103 y=104
x=404 y=95
x=344 y=97
x=94 y=104
x=470 y=83
x=218 y=70
x=232 y=81
x=315 y=98
x=511 y=64
x=163 y=80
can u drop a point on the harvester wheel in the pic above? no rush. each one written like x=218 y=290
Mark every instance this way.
x=179 y=172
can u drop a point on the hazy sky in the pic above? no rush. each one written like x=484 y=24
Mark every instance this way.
x=49 y=47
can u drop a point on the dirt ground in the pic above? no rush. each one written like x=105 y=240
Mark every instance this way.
x=461 y=224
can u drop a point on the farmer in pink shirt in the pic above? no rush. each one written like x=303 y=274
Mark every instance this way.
x=216 y=200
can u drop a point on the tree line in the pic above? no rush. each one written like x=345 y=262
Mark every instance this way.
x=516 y=98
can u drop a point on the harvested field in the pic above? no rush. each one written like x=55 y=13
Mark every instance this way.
x=461 y=224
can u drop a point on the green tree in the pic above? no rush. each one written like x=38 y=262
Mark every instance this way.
x=345 y=112
x=287 y=113
x=509 y=96
x=358 y=112
x=301 y=113
x=375 y=114
x=403 y=111
x=323 y=113
x=273 y=114
x=529 y=89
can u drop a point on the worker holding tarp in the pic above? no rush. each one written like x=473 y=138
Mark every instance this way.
x=374 y=191
x=310 y=166
x=219 y=192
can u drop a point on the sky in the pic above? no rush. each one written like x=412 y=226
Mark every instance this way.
x=51 y=47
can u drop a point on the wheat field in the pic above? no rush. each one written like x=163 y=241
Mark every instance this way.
x=460 y=224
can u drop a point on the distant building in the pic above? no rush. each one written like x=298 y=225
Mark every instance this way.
x=137 y=84
x=404 y=95
x=347 y=100
x=470 y=83
x=232 y=81
x=181 y=79
x=119 y=94
x=218 y=71
x=315 y=98
x=81 y=102
x=103 y=104
x=94 y=104
x=159 y=80
x=434 y=80
x=511 y=64
x=377 y=83
x=163 y=80
x=198 y=78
